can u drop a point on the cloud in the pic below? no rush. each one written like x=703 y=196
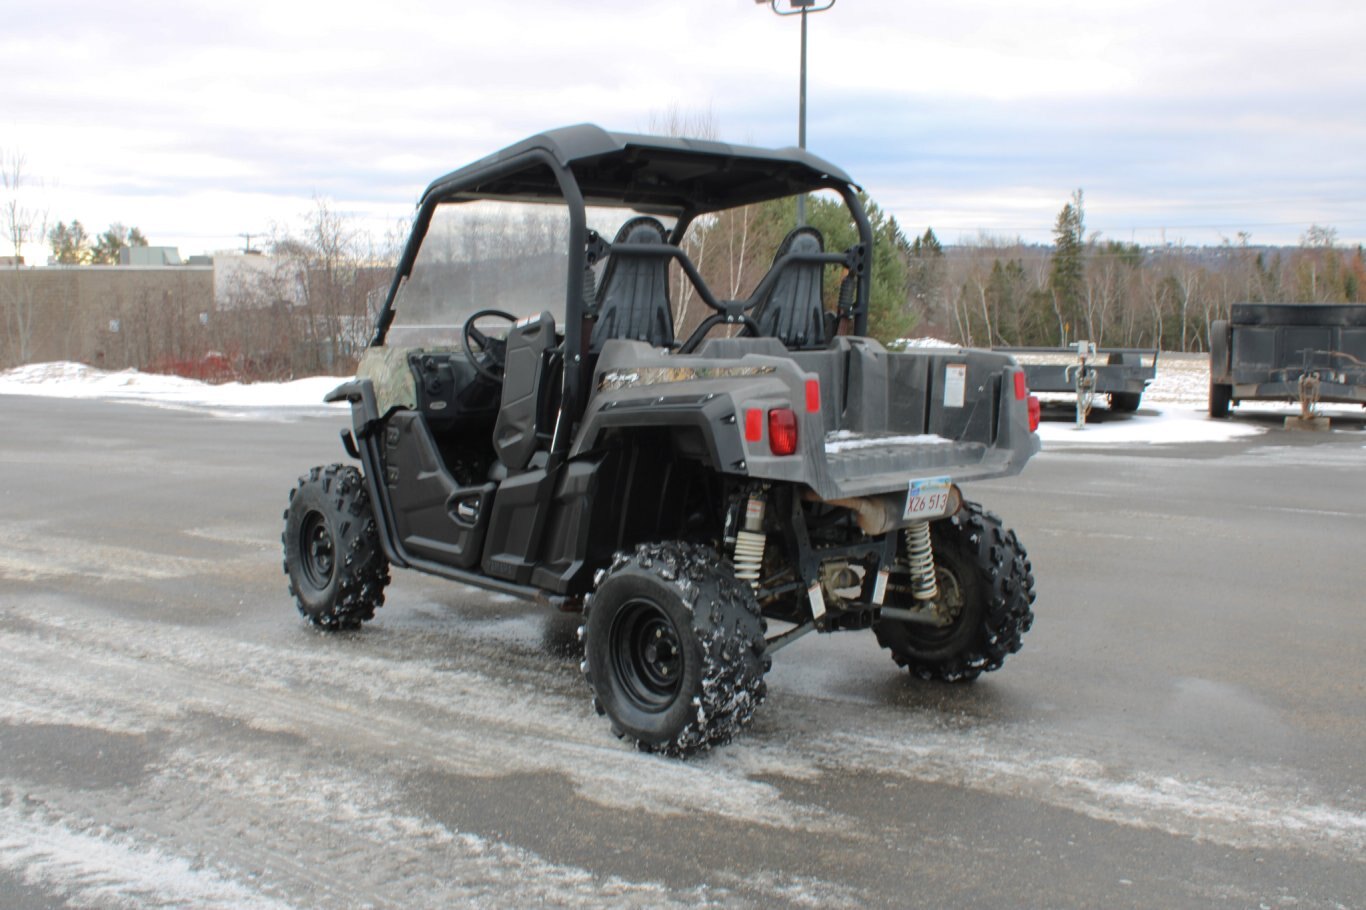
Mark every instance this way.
x=982 y=114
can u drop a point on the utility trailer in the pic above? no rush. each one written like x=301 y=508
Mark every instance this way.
x=1123 y=376
x=1292 y=352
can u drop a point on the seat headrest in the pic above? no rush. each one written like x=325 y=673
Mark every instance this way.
x=641 y=229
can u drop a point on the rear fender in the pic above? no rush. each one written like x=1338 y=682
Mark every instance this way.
x=704 y=425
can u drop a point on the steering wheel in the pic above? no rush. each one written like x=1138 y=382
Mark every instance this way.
x=488 y=361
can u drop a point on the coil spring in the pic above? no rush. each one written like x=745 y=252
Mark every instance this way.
x=920 y=560
x=749 y=556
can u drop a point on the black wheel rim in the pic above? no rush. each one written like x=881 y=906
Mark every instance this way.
x=317 y=554
x=952 y=599
x=647 y=655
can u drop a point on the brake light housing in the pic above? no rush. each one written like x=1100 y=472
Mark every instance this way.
x=782 y=431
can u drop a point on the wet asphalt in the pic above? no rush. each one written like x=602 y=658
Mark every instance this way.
x=1184 y=727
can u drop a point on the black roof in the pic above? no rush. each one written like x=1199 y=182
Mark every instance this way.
x=659 y=174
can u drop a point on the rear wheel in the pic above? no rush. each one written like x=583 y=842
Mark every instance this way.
x=1220 y=395
x=1125 y=402
x=673 y=649
x=986 y=588
x=337 y=571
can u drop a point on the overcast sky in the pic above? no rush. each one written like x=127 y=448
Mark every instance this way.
x=1183 y=120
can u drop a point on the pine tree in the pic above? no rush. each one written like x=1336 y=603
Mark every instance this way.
x=109 y=244
x=926 y=273
x=1069 y=270
x=70 y=244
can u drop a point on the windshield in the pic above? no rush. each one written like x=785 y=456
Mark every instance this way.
x=510 y=256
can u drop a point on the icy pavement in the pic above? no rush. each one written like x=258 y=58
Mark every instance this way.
x=173 y=736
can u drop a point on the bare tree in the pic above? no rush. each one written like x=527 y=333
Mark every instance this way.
x=677 y=121
x=1186 y=277
x=1156 y=297
x=23 y=224
x=698 y=243
x=307 y=308
x=1318 y=269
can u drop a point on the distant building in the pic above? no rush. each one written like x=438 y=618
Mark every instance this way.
x=149 y=255
x=106 y=315
x=11 y=262
x=254 y=281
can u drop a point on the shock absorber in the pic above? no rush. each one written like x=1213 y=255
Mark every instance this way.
x=749 y=542
x=920 y=559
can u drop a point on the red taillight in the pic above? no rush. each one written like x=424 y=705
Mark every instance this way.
x=782 y=431
x=813 y=395
x=754 y=425
x=1022 y=394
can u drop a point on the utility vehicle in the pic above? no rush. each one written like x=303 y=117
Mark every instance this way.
x=683 y=489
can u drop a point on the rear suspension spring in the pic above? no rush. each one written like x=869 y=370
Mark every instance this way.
x=749 y=543
x=920 y=561
x=749 y=556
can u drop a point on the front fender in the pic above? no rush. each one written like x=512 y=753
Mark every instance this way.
x=364 y=410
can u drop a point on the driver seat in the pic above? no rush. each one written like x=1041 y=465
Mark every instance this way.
x=633 y=302
x=525 y=375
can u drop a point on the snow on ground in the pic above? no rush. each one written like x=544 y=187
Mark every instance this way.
x=905 y=344
x=76 y=380
x=1173 y=409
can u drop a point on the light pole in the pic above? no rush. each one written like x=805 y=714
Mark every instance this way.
x=800 y=8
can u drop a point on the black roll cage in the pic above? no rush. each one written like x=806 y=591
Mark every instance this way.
x=497 y=178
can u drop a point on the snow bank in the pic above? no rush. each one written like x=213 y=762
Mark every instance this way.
x=1159 y=424
x=905 y=344
x=76 y=380
x=1173 y=411
x=1173 y=408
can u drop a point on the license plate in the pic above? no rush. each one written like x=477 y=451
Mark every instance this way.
x=928 y=498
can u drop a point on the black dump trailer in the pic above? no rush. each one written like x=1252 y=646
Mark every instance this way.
x=1292 y=352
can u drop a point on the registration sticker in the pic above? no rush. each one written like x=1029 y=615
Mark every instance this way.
x=955 y=384
x=928 y=498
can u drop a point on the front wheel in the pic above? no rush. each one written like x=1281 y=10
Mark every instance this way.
x=337 y=571
x=673 y=649
x=986 y=588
